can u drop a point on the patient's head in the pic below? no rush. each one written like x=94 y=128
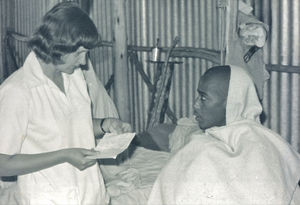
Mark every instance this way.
x=210 y=105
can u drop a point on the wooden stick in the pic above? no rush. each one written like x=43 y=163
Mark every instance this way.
x=134 y=60
x=185 y=52
x=121 y=88
x=283 y=68
x=161 y=94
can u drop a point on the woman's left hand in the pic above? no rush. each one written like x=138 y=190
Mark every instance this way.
x=114 y=125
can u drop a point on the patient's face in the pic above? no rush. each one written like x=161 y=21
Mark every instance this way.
x=210 y=105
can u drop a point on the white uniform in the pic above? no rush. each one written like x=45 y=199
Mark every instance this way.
x=36 y=117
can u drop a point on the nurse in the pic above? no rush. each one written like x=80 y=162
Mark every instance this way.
x=46 y=125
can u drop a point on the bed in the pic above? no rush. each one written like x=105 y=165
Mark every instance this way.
x=131 y=181
x=130 y=178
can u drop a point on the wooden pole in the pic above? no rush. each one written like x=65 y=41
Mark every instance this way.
x=231 y=25
x=121 y=88
x=7 y=17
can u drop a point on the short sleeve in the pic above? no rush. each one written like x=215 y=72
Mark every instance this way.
x=14 y=109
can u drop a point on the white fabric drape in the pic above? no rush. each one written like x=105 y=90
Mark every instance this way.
x=239 y=163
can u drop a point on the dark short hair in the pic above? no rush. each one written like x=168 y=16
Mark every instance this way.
x=64 y=29
x=220 y=74
x=221 y=69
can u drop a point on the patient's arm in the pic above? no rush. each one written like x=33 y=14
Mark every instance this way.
x=19 y=164
x=155 y=138
x=111 y=125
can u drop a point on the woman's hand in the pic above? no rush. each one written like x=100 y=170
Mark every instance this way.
x=78 y=157
x=114 y=125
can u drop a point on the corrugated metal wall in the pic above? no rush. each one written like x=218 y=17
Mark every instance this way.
x=197 y=23
x=282 y=92
x=102 y=57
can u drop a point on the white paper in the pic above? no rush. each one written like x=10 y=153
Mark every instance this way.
x=111 y=145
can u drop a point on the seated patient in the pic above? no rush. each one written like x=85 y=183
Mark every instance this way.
x=235 y=160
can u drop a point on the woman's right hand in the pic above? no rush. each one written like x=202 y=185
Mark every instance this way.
x=19 y=164
x=78 y=157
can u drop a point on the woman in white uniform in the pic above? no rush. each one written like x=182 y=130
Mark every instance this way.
x=46 y=121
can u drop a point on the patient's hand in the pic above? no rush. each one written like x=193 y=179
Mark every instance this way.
x=114 y=125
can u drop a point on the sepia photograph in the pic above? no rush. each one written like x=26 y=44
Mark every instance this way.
x=150 y=102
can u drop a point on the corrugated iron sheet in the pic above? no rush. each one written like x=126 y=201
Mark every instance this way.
x=197 y=23
x=102 y=57
x=282 y=92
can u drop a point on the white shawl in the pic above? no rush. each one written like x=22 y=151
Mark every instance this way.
x=240 y=163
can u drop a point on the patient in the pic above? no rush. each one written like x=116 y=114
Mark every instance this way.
x=235 y=160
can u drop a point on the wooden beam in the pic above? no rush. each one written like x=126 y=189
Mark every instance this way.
x=231 y=26
x=121 y=87
x=7 y=22
x=221 y=6
x=283 y=68
x=180 y=52
x=185 y=52
x=17 y=36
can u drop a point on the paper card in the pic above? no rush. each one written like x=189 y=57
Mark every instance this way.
x=111 y=145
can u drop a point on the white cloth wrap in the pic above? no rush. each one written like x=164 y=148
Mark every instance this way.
x=240 y=163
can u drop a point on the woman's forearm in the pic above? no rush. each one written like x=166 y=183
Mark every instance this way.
x=19 y=164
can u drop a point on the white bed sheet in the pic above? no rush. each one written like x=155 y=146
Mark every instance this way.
x=130 y=182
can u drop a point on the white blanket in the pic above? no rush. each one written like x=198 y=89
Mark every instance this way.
x=244 y=170
x=130 y=183
x=240 y=163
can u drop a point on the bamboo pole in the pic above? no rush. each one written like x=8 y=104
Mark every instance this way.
x=121 y=88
